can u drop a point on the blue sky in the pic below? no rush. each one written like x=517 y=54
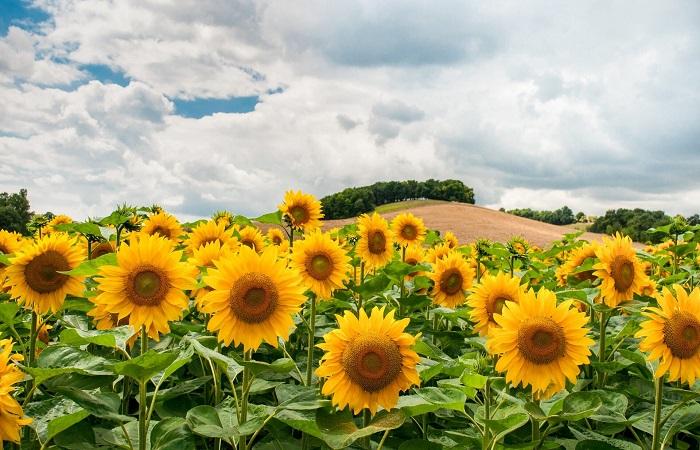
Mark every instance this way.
x=203 y=105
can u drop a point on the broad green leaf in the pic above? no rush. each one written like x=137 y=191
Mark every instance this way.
x=430 y=399
x=373 y=285
x=61 y=360
x=50 y=417
x=116 y=337
x=474 y=380
x=5 y=259
x=229 y=365
x=339 y=430
x=144 y=367
x=8 y=311
x=172 y=434
x=579 y=405
x=206 y=421
x=274 y=218
x=92 y=267
x=583 y=434
x=104 y=405
x=502 y=426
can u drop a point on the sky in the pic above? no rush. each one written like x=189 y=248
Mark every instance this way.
x=202 y=105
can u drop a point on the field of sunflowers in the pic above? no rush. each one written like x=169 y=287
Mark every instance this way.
x=136 y=331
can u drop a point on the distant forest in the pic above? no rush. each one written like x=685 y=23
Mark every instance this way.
x=354 y=201
x=561 y=216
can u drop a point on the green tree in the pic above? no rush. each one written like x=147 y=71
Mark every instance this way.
x=14 y=212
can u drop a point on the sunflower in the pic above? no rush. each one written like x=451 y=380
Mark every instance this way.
x=368 y=361
x=518 y=246
x=451 y=240
x=11 y=414
x=98 y=249
x=408 y=229
x=207 y=232
x=57 y=220
x=35 y=277
x=252 y=237
x=414 y=256
x=672 y=334
x=622 y=274
x=204 y=257
x=375 y=245
x=276 y=236
x=540 y=343
x=321 y=262
x=10 y=243
x=436 y=253
x=223 y=216
x=147 y=284
x=301 y=210
x=163 y=224
x=452 y=276
x=253 y=299
x=489 y=297
x=575 y=260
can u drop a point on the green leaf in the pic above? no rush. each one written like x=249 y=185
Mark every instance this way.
x=8 y=311
x=230 y=365
x=172 y=434
x=579 y=405
x=502 y=426
x=116 y=337
x=104 y=405
x=373 y=285
x=339 y=430
x=61 y=360
x=207 y=421
x=144 y=367
x=92 y=267
x=588 y=435
x=397 y=270
x=474 y=380
x=50 y=417
x=431 y=399
x=5 y=259
x=274 y=218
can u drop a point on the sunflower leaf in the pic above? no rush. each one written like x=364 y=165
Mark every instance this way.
x=91 y=267
x=273 y=218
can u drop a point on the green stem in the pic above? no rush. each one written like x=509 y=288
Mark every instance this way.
x=366 y=417
x=487 y=415
x=601 y=348
x=248 y=356
x=403 y=283
x=362 y=280
x=478 y=269
x=32 y=339
x=512 y=264
x=142 y=396
x=381 y=443
x=89 y=248
x=658 y=401
x=312 y=335
x=291 y=236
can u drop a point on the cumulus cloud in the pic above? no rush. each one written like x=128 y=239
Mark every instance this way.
x=534 y=105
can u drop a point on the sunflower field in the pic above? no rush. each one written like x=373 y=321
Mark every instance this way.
x=136 y=331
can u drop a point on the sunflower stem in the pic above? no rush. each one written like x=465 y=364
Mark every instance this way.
x=487 y=415
x=535 y=426
x=601 y=348
x=362 y=280
x=403 y=283
x=248 y=356
x=478 y=268
x=658 y=401
x=366 y=418
x=312 y=335
x=32 y=339
x=142 y=395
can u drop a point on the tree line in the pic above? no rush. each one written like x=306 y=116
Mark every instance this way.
x=561 y=216
x=354 y=201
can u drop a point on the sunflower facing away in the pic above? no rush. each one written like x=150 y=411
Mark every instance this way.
x=34 y=276
x=147 y=284
x=672 y=334
x=452 y=276
x=253 y=299
x=368 y=361
x=252 y=237
x=541 y=344
x=408 y=229
x=11 y=414
x=207 y=232
x=302 y=210
x=375 y=245
x=621 y=273
x=163 y=224
x=321 y=262
x=489 y=297
x=57 y=220
x=575 y=260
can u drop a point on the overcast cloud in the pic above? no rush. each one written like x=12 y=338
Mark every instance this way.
x=535 y=104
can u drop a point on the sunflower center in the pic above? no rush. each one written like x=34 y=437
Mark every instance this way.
x=101 y=249
x=254 y=297
x=277 y=240
x=409 y=232
x=248 y=243
x=587 y=275
x=299 y=214
x=4 y=249
x=622 y=271
x=372 y=361
x=376 y=242
x=451 y=281
x=42 y=272
x=161 y=232
x=147 y=286
x=208 y=241
x=496 y=305
x=541 y=341
x=682 y=335
x=319 y=266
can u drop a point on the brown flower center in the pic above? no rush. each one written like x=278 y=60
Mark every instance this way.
x=102 y=249
x=147 y=285
x=622 y=272
x=372 y=361
x=300 y=215
x=451 y=281
x=161 y=231
x=376 y=242
x=319 y=266
x=4 y=249
x=495 y=305
x=249 y=243
x=276 y=240
x=682 y=335
x=409 y=232
x=541 y=341
x=42 y=272
x=254 y=297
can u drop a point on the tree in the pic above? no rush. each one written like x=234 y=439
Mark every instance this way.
x=14 y=212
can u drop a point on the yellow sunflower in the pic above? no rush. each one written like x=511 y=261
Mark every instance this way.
x=541 y=344
x=204 y=257
x=57 y=220
x=207 y=232
x=436 y=253
x=99 y=248
x=163 y=224
x=489 y=297
x=672 y=334
x=302 y=210
x=621 y=273
x=321 y=262
x=10 y=243
x=147 y=284
x=252 y=237
x=375 y=244
x=34 y=275
x=414 y=256
x=368 y=361
x=276 y=236
x=254 y=298
x=452 y=276
x=408 y=229
x=11 y=414
x=575 y=260
x=451 y=240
